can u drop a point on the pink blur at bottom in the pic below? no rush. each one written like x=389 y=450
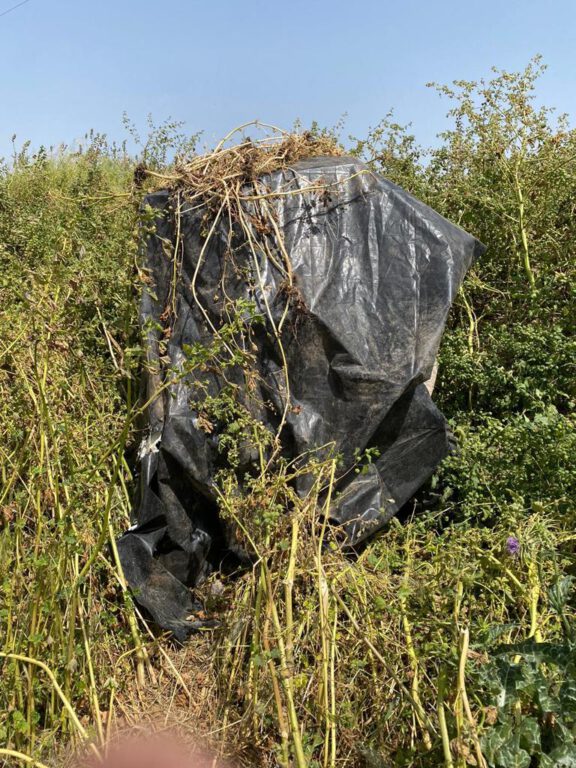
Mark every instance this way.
x=155 y=752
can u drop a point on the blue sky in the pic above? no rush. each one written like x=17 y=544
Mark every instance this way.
x=66 y=67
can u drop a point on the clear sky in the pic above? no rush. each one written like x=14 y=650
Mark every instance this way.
x=67 y=66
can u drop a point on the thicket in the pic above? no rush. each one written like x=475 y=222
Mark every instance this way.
x=450 y=638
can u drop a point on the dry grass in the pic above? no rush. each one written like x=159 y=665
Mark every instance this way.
x=216 y=174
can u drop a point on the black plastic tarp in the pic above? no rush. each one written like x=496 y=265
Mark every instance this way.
x=376 y=272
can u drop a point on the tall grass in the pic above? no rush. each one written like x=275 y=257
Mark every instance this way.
x=66 y=247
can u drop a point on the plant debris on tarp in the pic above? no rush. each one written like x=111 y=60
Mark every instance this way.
x=293 y=287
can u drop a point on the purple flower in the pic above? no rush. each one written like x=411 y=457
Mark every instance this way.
x=512 y=546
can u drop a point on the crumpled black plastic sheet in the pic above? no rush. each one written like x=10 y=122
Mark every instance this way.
x=377 y=271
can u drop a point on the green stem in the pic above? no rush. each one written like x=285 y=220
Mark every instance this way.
x=524 y=233
x=448 y=762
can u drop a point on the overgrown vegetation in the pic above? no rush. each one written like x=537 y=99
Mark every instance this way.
x=450 y=639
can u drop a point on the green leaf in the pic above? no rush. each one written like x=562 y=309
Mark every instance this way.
x=492 y=740
x=511 y=755
x=529 y=734
x=558 y=594
x=546 y=762
x=567 y=693
x=546 y=701
x=564 y=756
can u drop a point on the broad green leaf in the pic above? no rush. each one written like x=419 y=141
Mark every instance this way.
x=558 y=595
x=564 y=756
x=511 y=755
x=529 y=734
